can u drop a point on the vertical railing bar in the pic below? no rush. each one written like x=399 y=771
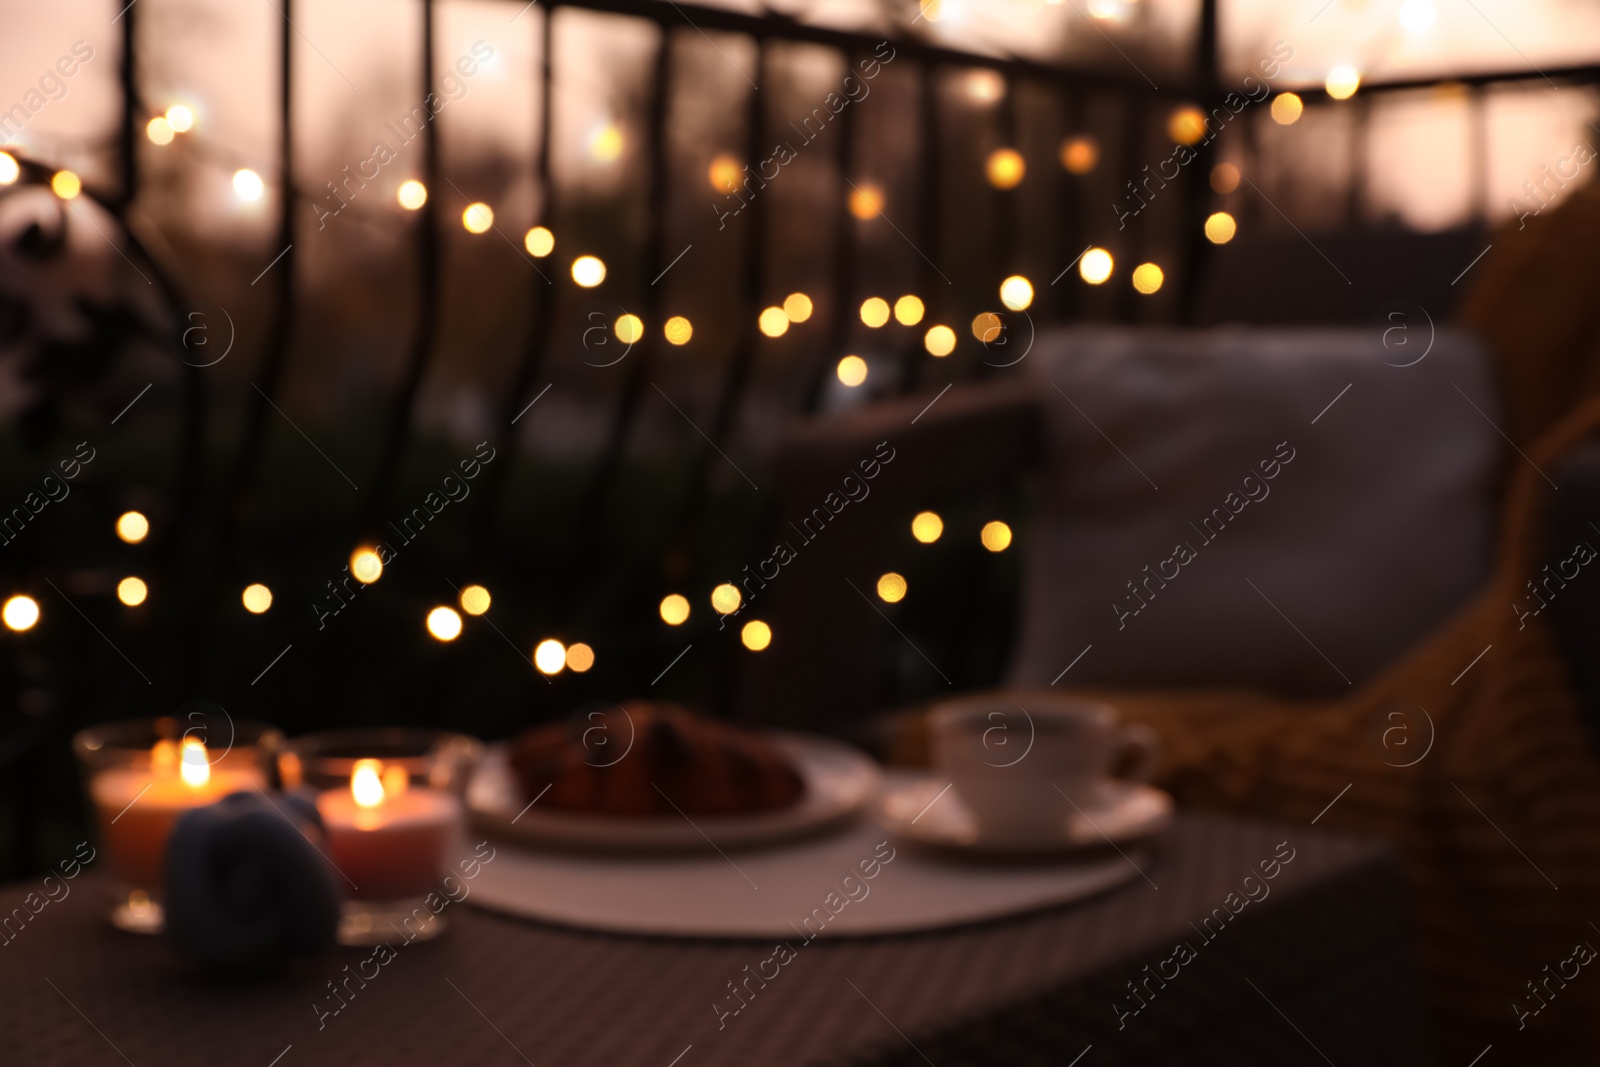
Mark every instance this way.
x=400 y=414
x=928 y=229
x=1194 y=248
x=842 y=320
x=541 y=301
x=1007 y=203
x=1066 y=294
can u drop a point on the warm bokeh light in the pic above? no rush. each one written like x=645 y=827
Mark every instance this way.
x=580 y=657
x=1095 y=266
x=1016 y=293
x=478 y=217
x=606 y=143
x=724 y=173
x=987 y=327
x=984 y=86
x=159 y=130
x=1224 y=177
x=927 y=527
x=132 y=591
x=444 y=624
x=588 y=271
x=133 y=527
x=257 y=598
x=539 y=242
x=797 y=306
x=1147 y=278
x=10 y=171
x=996 y=536
x=629 y=328
x=366 y=566
x=180 y=118
x=908 y=310
x=1286 y=108
x=674 y=609
x=726 y=598
x=866 y=202
x=366 y=783
x=193 y=766
x=940 y=341
x=248 y=184
x=1220 y=228
x=891 y=588
x=1187 y=125
x=852 y=370
x=1342 y=82
x=475 y=600
x=932 y=10
x=412 y=194
x=678 y=330
x=66 y=184
x=20 y=613
x=875 y=311
x=1079 y=154
x=756 y=635
x=549 y=656
x=1416 y=16
x=1005 y=168
x=773 y=322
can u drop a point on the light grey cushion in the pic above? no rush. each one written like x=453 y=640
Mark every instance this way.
x=1378 y=526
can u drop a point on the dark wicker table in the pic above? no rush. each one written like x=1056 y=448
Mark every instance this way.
x=1319 y=970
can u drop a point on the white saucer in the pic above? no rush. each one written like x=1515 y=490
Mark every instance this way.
x=1115 y=813
x=840 y=781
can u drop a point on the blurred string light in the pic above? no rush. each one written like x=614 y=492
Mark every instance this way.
x=366 y=566
x=159 y=130
x=756 y=635
x=629 y=329
x=674 y=609
x=20 y=613
x=852 y=370
x=908 y=310
x=580 y=657
x=996 y=536
x=10 y=171
x=678 y=330
x=1220 y=228
x=927 y=526
x=1187 y=125
x=256 y=598
x=725 y=599
x=248 y=185
x=1095 y=266
x=180 y=117
x=1416 y=15
x=132 y=591
x=478 y=217
x=866 y=202
x=891 y=588
x=1224 y=178
x=875 y=311
x=1286 y=108
x=412 y=194
x=724 y=173
x=932 y=10
x=1079 y=154
x=797 y=307
x=773 y=322
x=539 y=242
x=1016 y=293
x=987 y=327
x=66 y=184
x=1342 y=82
x=984 y=86
x=475 y=600
x=133 y=527
x=444 y=624
x=1147 y=278
x=605 y=143
x=588 y=271
x=1005 y=168
x=940 y=341
x=549 y=656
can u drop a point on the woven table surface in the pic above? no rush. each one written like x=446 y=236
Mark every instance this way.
x=1318 y=969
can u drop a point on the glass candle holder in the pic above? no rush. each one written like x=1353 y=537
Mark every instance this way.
x=141 y=775
x=391 y=806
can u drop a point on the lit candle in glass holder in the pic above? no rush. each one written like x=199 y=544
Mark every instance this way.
x=388 y=839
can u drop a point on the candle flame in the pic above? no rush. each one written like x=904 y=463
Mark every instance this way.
x=395 y=780
x=365 y=784
x=194 y=768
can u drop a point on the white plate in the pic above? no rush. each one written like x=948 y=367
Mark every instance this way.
x=840 y=780
x=1116 y=812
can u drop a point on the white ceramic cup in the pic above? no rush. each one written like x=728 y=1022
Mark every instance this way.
x=1019 y=767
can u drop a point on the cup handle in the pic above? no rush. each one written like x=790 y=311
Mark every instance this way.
x=1138 y=736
